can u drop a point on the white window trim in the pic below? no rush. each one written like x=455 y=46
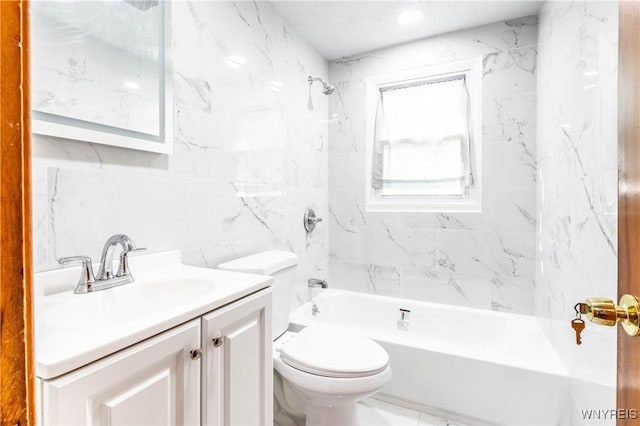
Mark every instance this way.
x=472 y=70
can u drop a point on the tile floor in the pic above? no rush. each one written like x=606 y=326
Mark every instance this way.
x=372 y=412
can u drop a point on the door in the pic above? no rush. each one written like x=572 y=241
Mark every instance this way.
x=237 y=382
x=16 y=278
x=629 y=201
x=155 y=382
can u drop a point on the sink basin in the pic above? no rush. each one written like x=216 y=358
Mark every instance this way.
x=73 y=330
x=123 y=303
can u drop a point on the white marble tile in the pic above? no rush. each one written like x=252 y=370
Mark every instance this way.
x=509 y=164
x=384 y=280
x=346 y=171
x=449 y=288
x=400 y=247
x=464 y=221
x=513 y=208
x=403 y=240
x=508 y=72
x=344 y=246
x=346 y=209
x=465 y=252
x=513 y=253
x=349 y=276
x=513 y=294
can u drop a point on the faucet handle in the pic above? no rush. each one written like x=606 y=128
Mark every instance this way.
x=87 y=279
x=123 y=269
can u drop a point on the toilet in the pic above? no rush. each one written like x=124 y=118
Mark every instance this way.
x=321 y=371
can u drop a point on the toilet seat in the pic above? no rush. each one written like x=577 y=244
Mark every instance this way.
x=334 y=352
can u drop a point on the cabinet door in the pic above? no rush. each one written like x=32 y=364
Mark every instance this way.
x=237 y=385
x=154 y=382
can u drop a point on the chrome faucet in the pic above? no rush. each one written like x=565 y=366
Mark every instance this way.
x=317 y=282
x=105 y=278
x=106 y=259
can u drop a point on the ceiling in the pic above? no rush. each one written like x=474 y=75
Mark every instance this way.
x=344 y=28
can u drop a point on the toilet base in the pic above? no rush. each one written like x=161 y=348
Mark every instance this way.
x=323 y=415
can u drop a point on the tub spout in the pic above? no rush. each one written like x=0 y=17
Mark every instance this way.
x=316 y=282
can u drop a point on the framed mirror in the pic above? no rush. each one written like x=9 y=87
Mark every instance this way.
x=101 y=72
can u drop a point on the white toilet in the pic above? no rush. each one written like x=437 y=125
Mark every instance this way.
x=323 y=370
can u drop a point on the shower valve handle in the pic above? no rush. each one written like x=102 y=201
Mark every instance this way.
x=310 y=220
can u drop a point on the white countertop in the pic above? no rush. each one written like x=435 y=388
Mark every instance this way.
x=72 y=330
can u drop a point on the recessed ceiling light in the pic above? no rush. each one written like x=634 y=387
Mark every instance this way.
x=410 y=16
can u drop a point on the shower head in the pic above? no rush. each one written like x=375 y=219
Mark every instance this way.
x=327 y=88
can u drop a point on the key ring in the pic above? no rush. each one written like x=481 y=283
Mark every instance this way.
x=578 y=313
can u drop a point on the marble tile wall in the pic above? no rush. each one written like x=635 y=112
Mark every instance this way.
x=485 y=260
x=577 y=188
x=249 y=154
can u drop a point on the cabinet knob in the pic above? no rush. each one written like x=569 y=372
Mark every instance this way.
x=195 y=353
x=217 y=341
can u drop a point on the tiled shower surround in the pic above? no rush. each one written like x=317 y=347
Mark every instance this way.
x=249 y=156
x=485 y=260
x=577 y=188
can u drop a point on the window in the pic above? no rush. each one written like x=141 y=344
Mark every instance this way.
x=423 y=139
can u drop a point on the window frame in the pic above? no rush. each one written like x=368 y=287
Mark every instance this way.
x=471 y=69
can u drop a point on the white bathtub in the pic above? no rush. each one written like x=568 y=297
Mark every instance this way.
x=478 y=365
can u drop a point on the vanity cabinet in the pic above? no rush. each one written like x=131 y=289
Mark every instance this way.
x=154 y=382
x=214 y=369
x=237 y=386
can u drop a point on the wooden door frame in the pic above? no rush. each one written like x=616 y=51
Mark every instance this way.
x=17 y=387
x=628 y=377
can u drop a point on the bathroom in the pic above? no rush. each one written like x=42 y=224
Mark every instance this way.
x=264 y=110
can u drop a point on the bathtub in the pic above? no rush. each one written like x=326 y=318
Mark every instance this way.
x=473 y=365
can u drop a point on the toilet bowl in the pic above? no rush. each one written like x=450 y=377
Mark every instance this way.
x=321 y=371
x=325 y=370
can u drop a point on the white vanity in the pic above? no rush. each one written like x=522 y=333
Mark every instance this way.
x=180 y=345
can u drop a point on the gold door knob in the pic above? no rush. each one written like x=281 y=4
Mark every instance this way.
x=605 y=312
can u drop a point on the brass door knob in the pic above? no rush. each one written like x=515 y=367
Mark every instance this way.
x=605 y=312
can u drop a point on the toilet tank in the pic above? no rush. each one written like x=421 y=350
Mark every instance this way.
x=279 y=264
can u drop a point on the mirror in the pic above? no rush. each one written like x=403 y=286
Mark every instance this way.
x=101 y=72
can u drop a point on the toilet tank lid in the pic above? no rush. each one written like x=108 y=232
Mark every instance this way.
x=264 y=263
